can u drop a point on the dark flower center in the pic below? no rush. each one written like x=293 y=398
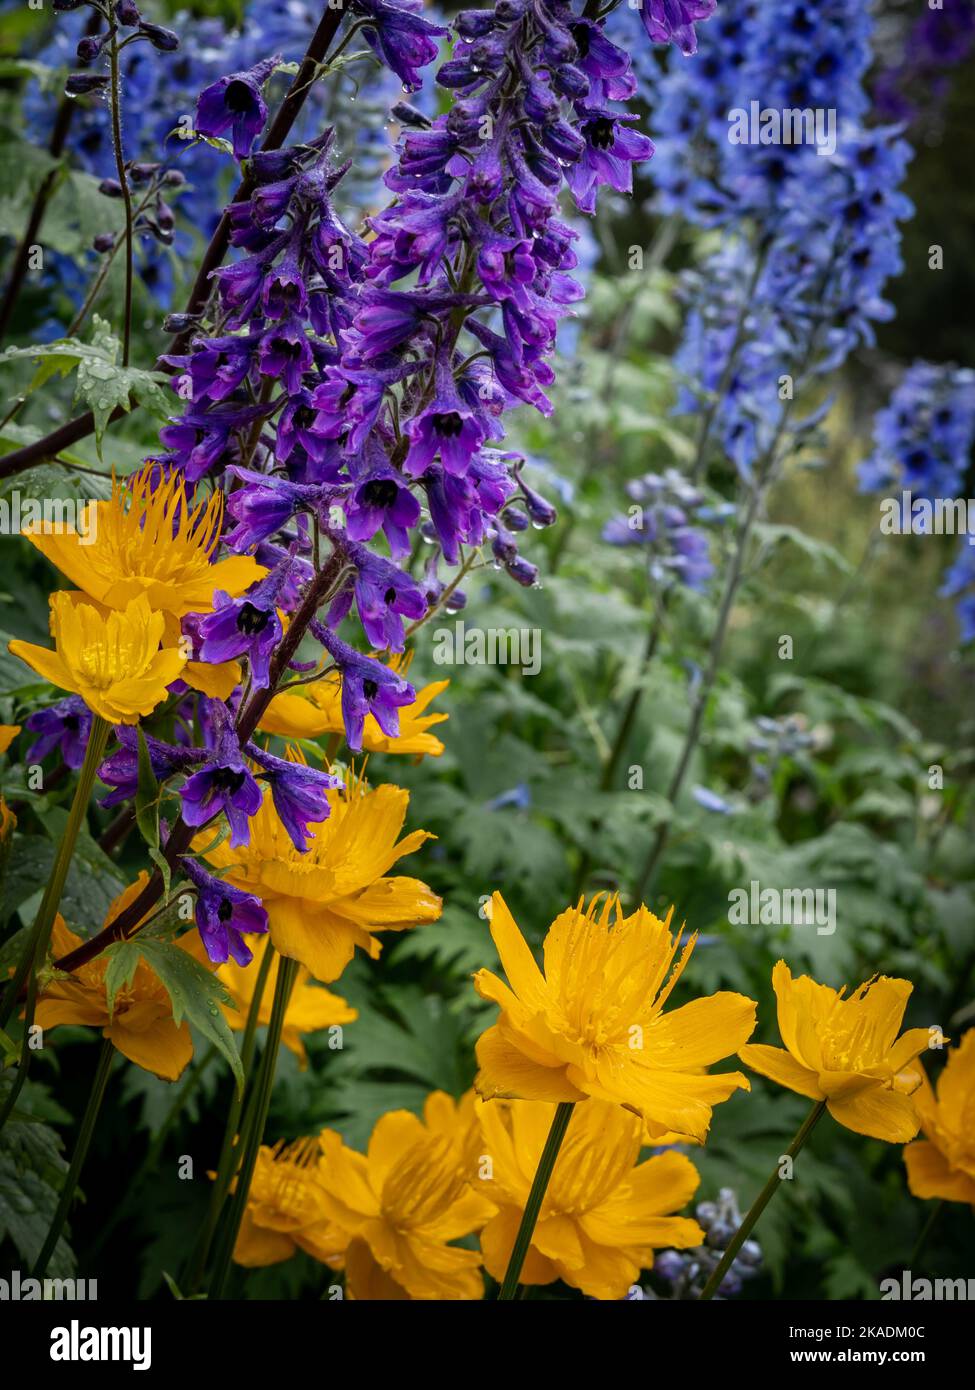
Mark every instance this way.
x=601 y=132
x=227 y=779
x=238 y=97
x=389 y=595
x=448 y=425
x=286 y=347
x=581 y=36
x=71 y=722
x=225 y=911
x=252 y=620
x=380 y=492
x=370 y=689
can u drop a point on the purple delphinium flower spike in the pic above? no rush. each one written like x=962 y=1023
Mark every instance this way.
x=382 y=593
x=222 y=914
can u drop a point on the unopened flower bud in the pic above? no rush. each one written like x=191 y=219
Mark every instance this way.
x=103 y=242
x=111 y=188
x=409 y=115
x=90 y=47
x=127 y=12
x=523 y=572
x=165 y=40
x=80 y=84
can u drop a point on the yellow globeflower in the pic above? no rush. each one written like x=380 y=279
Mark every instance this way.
x=152 y=541
x=112 y=660
x=8 y=732
x=315 y=709
x=593 y=1023
x=846 y=1052
x=310 y=1008
x=325 y=902
x=603 y=1214
x=942 y=1164
x=285 y=1209
x=402 y=1203
x=141 y=1025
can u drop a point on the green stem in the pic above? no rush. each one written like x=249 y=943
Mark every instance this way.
x=226 y=1164
x=536 y=1196
x=44 y=920
x=928 y=1227
x=254 y=1130
x=40 y=937
x=116 y=110
x=105 y=1059
x=761 y=1202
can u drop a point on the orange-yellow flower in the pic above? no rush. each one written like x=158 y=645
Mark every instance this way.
x=8 y=732
x=315 y=709
x=285 y=1209
x=603 y=1213
x=846 y=1052
x=141 y=1025
x=942 y=1164
x=310 y=1008
x=325 y=902
x=111 y=659
x=593 y=1024
x=152 y=542
x=402 y=1203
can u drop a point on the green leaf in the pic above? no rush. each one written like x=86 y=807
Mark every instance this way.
x=196 y=994
x=123 y=961
x=162 y=864
x=31 y=1174
x=102 y=383
x=147 y=797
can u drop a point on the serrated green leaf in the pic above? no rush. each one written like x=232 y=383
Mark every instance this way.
x=196 y=994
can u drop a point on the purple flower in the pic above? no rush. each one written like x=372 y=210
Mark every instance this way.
x=263 y=506
x=299 y=793
x=224 y=784
x=236 y=103
x=382 y=593
x=447 y=426
x=669 y=21
x=381 y=498
x=121 y=768
x=222 y=914
x=400 y=37
x=368 y=687
x=247 y=626
x=611 y=152
x=65 y=725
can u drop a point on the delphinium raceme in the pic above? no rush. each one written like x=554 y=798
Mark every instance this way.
x=922 y=454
